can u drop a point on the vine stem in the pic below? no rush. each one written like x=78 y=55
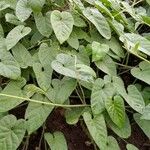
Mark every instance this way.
x=41 y=102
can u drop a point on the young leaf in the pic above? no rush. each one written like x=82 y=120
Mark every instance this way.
x=116 y=110
x=15 y=35
x=36 y=5
x=61 y=90
x=22 y=56
x=99 y=51
x=12 y=132
x=23 y=11
x=37 y=113
x=103 y=8
x=62 y=23
x=8 y=65
x=56 y=141
x=144 y=124
x=43 y=24
x=142 y=72
x=99 y=21
x=131 y=147
x=12 y=88
x=97 y=129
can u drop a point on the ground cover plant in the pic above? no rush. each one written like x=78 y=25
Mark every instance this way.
x=86 y=61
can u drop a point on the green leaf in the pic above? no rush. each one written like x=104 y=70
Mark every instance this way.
x=73 y=41
x=8 y=65
x=3 y=114
x=116 y=110
x=56 y=141
x=72 y=115
x=123 y=132
x=99 y=21
x=142 y=72
x=131 y=147
x=23 y=11
x=131 y=39
x=112 y=144
x=148 y=1
x=79 y=4
x=119 y=86
x=115 y=46
x=107 y=65
x=60 y=90
x=42 y=69
x=146 y=113
x=43 y=76
x=1 y=32
x=43 y=24
x=12 y=88
x=36 y=5
x=103 y=8
x=15 y=35
x=4 y=4
x=135 y=99
x=98 y=96
x=12 y=132
x=117 y=27
x=143 y=124
x=101 y=91
x=68 y=66
x=13 y=19
x=62 y=23
x=97 y=129
x=78 y=21
x=22 y=56
x=36 y=113
x=99 y=51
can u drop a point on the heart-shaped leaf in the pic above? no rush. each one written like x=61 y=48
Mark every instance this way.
x=56 y=141
x=23 y=11
x=62 y=23
x=11 y=132
x=15 y=35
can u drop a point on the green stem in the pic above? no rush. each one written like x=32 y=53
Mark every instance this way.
x=40 y=102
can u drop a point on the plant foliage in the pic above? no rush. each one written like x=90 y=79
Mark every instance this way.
x=51 y=51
